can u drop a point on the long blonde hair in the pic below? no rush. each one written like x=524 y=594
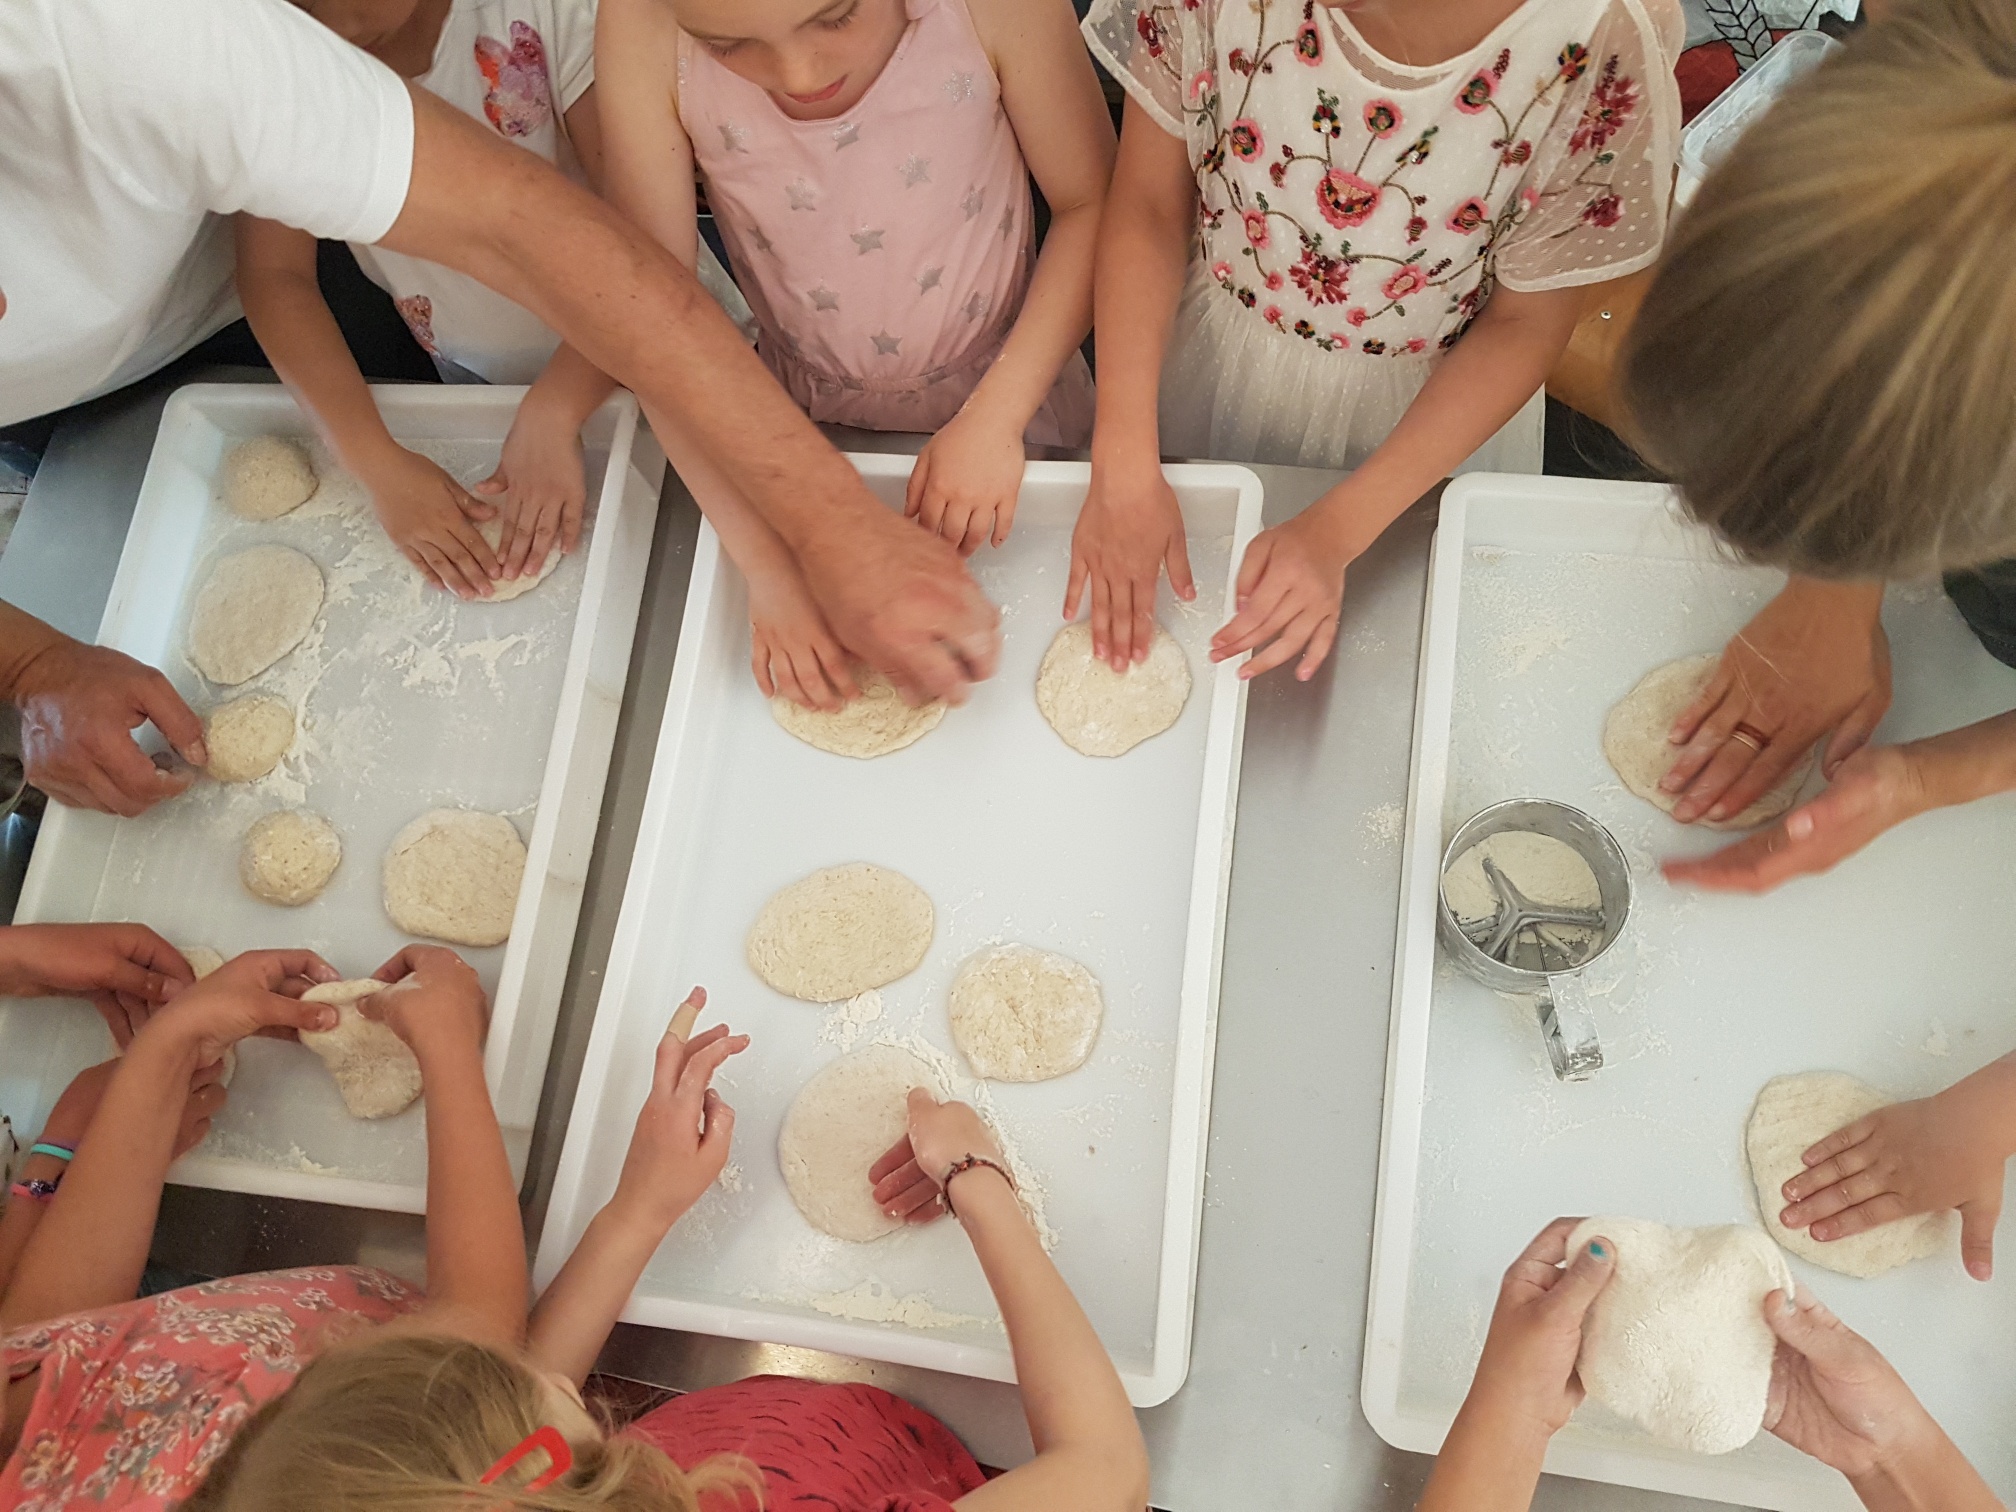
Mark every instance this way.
x=409 y=1423
x=1826 y=360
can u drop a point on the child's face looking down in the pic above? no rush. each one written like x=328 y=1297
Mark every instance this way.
x=815 y=57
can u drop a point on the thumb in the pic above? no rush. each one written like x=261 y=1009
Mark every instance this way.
x=920 y=1103
x=496 y=483
x=1977 y=1236
x=162 y=705
x=1853 y=733
x=1805 y=1325
x=276 y=1011
x=720 y=1124
x=1588 y=1273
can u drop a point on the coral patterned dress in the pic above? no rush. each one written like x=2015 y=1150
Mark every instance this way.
x=1356 y=213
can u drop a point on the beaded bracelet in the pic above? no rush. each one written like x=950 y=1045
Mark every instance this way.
x=61 y=1151
x=966 y=1163
x=35 y=1189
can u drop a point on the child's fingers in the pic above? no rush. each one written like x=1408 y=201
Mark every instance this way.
x=424 y=567
x=1844 y=1191
x=702 y=1063
x=674 y=1053
x=571 y=510
x=1319 y=647
x=1873 y=1212
x=1253 y=567
x=1839 y=1154
x=1266 y=613
x=1004 y=520
x=1119 y=621
x=893 y=1159
x=473 y=553
x=545 y=533
x=1074 y=585
x=913 y=490
x=1286 y=645
x=1144 y=618
x=918 y=1203
x=687 y=1013
x=1101 y=616
x=1588 y=1273
x=891 y=1184
x=974 y=531
x=759 y=665
x=718 y=1125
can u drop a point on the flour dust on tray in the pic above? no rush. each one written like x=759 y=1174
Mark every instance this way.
x=1794 y=1113
x=266 y=477
x=375 y=1072
x=1021 y=1014
x=1100 y=712
x=247 y=737
x=874 y=722
x=453 y=874
x=841 y=931
x=1635 y=743
x=1677 y=1342
x=289 y=856
x=254 y=607
x=503 y=590
x=841 y=1122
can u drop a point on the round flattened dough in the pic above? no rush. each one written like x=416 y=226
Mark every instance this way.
x=253 y=609
x=453 y=874
x=841 y=1122
x=1100 y=712
x=202 y=959
x=264 y=478
x=503 y=590
x=1635 y=744
x=247 y=737
x=1021 y=1014
x=1794 y=1113
x=841 y=931
x=873 y=723
x=375 y=1072
x=289 y=856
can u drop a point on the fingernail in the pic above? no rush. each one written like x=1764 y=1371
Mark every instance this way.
x=199 y=753
x=326 y=1019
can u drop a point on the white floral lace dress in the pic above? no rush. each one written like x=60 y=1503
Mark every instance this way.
x=1355 y=213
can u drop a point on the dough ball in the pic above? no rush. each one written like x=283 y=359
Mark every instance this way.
x=1794 y=1113
x=453 y=874
x=264 y=478
x=841 y=931
x=841 y=1122
x=253 y=609
x=1635 y=744
x=375 y=1072
x=289 y=857
x=1021 y=1014
x=1100 y=712
x=502 y=591
x=202 y=959
x=1677 y=1341
x=873 y=723
x=247 y=737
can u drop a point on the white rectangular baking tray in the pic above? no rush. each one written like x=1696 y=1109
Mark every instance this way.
x=1119 y=863
x=406 y=700
x=1548 y=599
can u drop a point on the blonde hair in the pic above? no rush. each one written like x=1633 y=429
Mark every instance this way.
x=1826 y=361
x=409 y=1423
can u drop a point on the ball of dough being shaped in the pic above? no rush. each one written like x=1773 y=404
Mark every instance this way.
x=841 y=1122
x=375 y=1072
x=247 y=737
x=1100 y=712
x=503 y=590
x=841 y=931
x=1020 y=1014
x=1635 y=744
x=873 y=723
x=289 y=856
x=453 y=874
x=255 y=607
x=1677 y=1342
x=266 y=477
x=1794 y=1113
x=202 y=959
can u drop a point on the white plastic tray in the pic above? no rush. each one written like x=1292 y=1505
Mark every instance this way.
x=1548 y=598
x=405 y=700
x=1119 y=863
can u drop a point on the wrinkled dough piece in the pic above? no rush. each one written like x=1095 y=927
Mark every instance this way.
x=1794 y=1113
x=375 y=1072
x=841 y=1122
x=247 y=737
x=1100 y=712
x=265 y=478
x=453 y=874
x=503 y=590
x=874 y=722
x=256 y=606
x=1677 y=1342
x=289 y=856
x=1635 y=744
x=841 y=931
x=1021 y=1014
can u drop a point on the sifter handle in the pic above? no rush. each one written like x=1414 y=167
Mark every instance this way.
x=1569 y=1026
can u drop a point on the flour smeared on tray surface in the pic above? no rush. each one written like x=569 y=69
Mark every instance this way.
x=1100 y=712
x=841 y=931
x=453 y=874
x=1020 y=1014
x=875 y=722
x=255 y=607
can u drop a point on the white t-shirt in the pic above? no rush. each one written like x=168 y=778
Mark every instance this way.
x=516 y=66
x=128 y=128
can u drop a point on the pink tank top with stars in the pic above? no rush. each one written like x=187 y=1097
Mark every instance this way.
x=885 y=252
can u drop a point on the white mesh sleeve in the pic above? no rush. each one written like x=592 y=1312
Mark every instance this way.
x=1148 y=45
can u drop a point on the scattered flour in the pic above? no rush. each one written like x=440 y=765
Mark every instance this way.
x=1936 y=1042
x=871 y=1302
x=847 y=1020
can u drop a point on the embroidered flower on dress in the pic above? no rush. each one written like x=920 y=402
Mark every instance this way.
x=1244 y=140
x=1372 y=346
x=1610 y=105
x=1606 y=211
x=1345 y=199
x=1416 y=344
x=1357 y=315
x=1222 y=271
x=1405 y=281
x=1273 y=282
x=1513 y=156
x=1272 y=315
x=1200 y=84
x=1325 y=280
x=1309 y=44
x=1382 y=118
x=1238 y=62
x=1468 y=216
x=1415 y=227
x=1151 y=32
x=1475 y=96
x=1256 y=228
x=1574 y=61
x=1324 y=118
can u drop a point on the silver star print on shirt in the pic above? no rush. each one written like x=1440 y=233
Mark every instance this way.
x=976 y=305
x=929 y=279
x=846 y=134
x=866 y=241
x=802 y=195
x=823 y=298
x=885 y=344
x=734 y=138
x=959 y=88
x=975 y=201
x=1008 y=220
x=915 y=170
x=761 y=242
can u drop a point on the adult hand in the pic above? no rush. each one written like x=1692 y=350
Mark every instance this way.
x=259 y=992
x=126 y=970
x=539 y=486
x=439 y=1005
x=1290 y=593
x=1129 y=530
x=1814 y=660
x=1874 y=789
x=967 y=480
x=909 y=1180
x=432 y=519
x=79 y=706
x=791 y=648
x=1527 y=1372
x=684 y=1128
x=74 y=1109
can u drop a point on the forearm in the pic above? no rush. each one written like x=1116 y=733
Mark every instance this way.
x=570 y=388
x=751 y=544
x=19 y=1221
x=1056 y=314
x=1138 y=280
x=22 y=638
x=306 y=347
x=1932 y=1476
x=1490 y=1462
x=573 y=1317
x=1959 y=766
x=472 y=1200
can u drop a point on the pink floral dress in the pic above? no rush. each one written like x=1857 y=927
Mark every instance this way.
x=1355 y=213
x=133 y=1403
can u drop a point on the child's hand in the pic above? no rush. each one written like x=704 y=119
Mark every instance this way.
x=257 y=993
x=1526 y=1377
x=74 y=1110
x=540 y=487
x=1128 y=530
x=791 y=649
x=1833 y=1396
x=429 y=517
x=1290 y=592
x=126 y=970
x=684 y=1127
x=440 y=1006
x=967 y=478
x=909 y=1180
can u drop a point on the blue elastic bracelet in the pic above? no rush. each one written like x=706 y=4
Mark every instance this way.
x=60 y=1151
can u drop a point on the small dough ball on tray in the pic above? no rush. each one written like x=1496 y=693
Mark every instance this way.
x=247 y=737
x=503 y=590
x=841 y=931
x=1635 y=744
x=841 y=1122
x=453 y=874
x=264 y=478
x=289 y=856
x=1100 y=712
x=1021 y=1014
x=254 y=607
x=874 y=722
x=375 y=1072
